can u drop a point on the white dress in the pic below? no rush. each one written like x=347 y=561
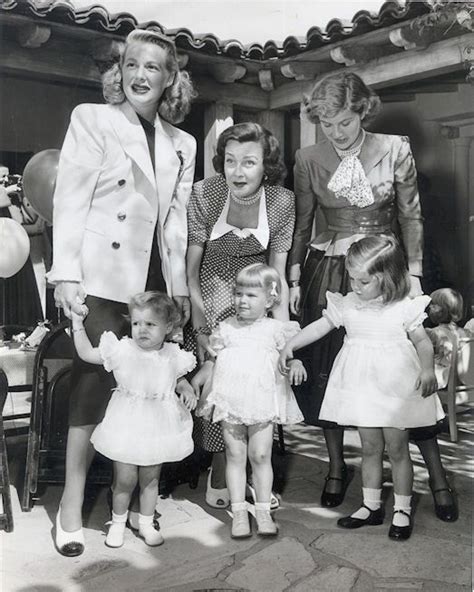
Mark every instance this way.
x=372 y=382
x=247 y=387
x=145 y=422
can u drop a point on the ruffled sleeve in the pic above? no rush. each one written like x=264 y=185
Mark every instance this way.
x=334 y=309
x=109 y=349
x=185 y=360
x=414 y=313
x=286 y=331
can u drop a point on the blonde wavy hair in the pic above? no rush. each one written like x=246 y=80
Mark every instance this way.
x=176 y=100
x=343 y=90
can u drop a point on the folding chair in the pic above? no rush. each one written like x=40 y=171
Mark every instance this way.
x=47 y=436
x=6 y=515
x=461 y=378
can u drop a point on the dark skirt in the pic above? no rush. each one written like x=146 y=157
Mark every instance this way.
x=91 y=385
x=321 y=274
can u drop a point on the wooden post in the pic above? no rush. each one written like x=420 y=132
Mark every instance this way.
x=217 y=118
x=308 y=131
x=274 y=121
x=462 y=159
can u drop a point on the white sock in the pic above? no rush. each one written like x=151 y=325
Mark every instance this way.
x=401 y=502
x=372 y=499
x=147 y=531
x=115 y=534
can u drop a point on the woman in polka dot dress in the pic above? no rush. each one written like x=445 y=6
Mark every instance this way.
x=238 y=217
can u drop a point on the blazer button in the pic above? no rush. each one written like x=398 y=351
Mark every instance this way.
x=115 y=245
x=121 y=216
x=121 y=182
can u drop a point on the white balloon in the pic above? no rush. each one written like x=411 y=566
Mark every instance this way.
x=14 y=247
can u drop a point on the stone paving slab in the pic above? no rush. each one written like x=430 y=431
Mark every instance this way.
x=311 y=554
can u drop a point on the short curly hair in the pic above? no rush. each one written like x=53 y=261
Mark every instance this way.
x=338 y=91
x=447 y=306
x=161 y=304
x=176 y=100
x=273 y=165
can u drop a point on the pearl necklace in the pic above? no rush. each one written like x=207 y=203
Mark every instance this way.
x=246 y=201
x=351 y=151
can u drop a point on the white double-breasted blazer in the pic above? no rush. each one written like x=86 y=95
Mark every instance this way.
x=108 y=201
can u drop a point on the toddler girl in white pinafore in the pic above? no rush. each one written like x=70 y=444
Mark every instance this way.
x=248 y=394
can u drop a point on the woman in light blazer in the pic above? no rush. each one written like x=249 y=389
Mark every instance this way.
x=119 y=226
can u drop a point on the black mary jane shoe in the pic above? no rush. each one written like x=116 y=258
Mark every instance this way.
x=373 y=519
x=331 y=500
x=400 y=533
x=445 y=512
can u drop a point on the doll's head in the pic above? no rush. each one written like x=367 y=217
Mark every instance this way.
x=446 y=306
x=377 y=267
x=153 y=317
x=257 y=290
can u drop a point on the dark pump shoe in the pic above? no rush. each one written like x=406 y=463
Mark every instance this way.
x=449 y=512
x=331 y=500
x=373 y=519
x=400 y=533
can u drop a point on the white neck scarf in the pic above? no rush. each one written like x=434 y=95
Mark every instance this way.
x=349 y=180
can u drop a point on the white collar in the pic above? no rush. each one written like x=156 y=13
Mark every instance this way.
x=261 y=233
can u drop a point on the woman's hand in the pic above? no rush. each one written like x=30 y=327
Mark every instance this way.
x=201 y=377
x=427 y=382
x=286 y=356
x=184 y=307
x=186 y=392
x=70 y=296
x=5 y=201
x=204 y=348
x=296 y=372
x=295 y=300
x=415 y=286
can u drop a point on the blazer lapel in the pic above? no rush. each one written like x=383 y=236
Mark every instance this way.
x=326 y=156
x=375 y=147
x=132 y=138
x=168 y=165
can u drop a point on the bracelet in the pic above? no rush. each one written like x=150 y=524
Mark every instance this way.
x=78 y=330
x=202 y=330
x=294 y=283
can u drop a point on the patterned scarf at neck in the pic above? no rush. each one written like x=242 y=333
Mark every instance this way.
x=349 y=180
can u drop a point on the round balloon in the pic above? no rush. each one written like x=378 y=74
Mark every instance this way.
x=15 y=247
x=39 y=181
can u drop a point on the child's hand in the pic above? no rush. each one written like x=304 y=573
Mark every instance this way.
x=186 y=392
x=296 y=372
x=427 y=382
x=286 y=355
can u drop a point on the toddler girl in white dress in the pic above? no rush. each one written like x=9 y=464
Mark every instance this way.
x=248 y=394
x=145 y=423
x=445 y=311
x=383 y=376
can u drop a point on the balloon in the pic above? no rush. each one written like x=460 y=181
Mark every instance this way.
x=39 y=181
x=15 y=247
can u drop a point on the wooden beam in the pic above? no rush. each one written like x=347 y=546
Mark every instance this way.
x=439 y=58
x=237 y=94
x=48 y=62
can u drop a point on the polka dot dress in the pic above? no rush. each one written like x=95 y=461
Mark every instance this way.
x=225 y=256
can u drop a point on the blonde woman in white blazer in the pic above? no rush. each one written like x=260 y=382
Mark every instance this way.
x=119 y=226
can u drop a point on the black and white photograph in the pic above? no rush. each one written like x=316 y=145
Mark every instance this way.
x=236 y=295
